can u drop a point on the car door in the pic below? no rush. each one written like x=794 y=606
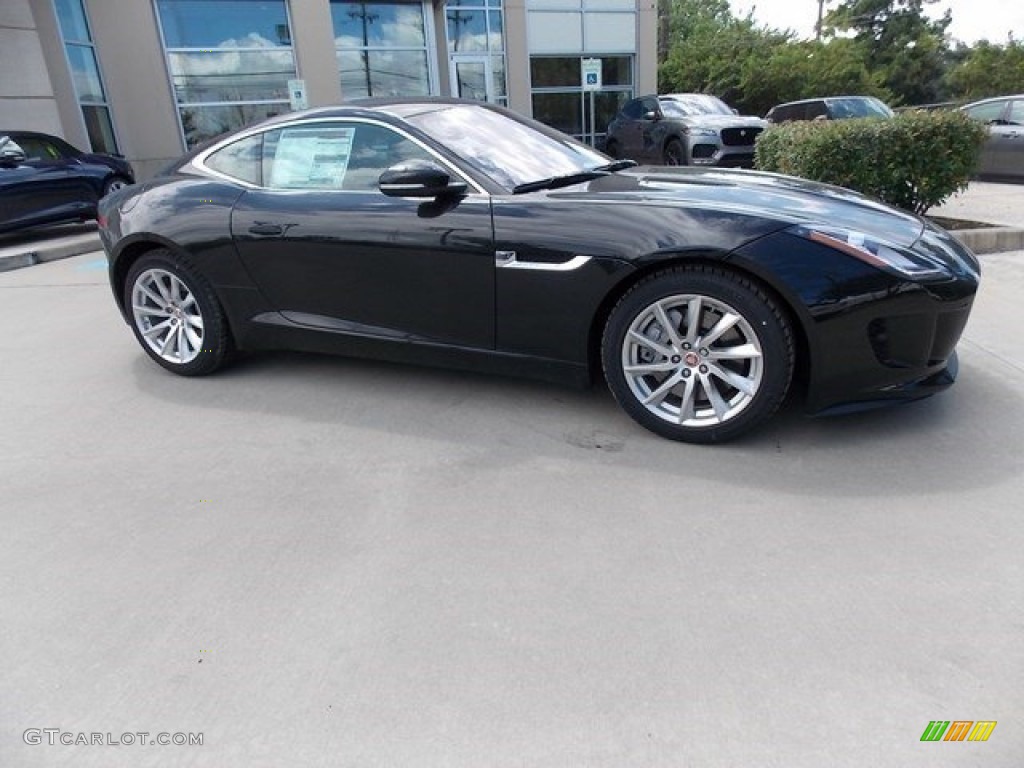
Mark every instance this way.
x=651 y=131
x=330 y=250
x=627 y=129
x=1006 y=141
x=992 y=114
x=42 y=188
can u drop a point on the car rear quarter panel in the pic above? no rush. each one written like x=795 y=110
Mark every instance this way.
x=191 y=217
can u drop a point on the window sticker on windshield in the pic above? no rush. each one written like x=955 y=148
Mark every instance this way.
x=316 y=159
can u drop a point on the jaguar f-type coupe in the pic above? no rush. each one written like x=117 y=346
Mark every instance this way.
x=462 y=234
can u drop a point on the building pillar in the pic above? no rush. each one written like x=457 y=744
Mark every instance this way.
x=313 y=41
x=517 y=57
x=646 y=47
x=134 y=70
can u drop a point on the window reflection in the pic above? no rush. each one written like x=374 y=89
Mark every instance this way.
x=230 y=62
x=509 y=151
x=381 y=48
x=224 y=23
x=85 y=74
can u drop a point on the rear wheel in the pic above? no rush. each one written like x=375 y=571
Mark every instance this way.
x=114 y=183
x=698 y=354
x=674 y=153
x=175 y=315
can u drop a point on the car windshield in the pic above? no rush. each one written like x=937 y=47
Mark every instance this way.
x=694 y=104
x=510 y=151
x=864 y=107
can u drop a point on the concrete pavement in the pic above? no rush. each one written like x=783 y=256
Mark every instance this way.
x=42 y=244
x=991 y=203
x=315 y=561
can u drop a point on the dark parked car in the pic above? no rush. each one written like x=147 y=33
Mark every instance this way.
x=1002 y=156
x=831 y=108
x=683 y=129
x=462 y=234
x=45 y=180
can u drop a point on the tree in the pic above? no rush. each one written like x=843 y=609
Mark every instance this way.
x=987 y=69
x=902 y=44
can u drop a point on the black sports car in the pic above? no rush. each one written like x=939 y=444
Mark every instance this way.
x=45 y=180
x=462 y=234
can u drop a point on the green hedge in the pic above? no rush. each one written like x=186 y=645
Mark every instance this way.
x=914 y=160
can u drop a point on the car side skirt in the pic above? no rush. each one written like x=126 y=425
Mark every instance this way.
x=275 y=330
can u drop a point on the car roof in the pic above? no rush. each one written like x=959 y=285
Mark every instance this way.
x=994 y=98
x=395 y=107
x=824 y=98
x=34 y=134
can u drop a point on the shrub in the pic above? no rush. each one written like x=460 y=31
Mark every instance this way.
x=914 y=160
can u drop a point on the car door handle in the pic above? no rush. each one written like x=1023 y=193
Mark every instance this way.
x=267 y=228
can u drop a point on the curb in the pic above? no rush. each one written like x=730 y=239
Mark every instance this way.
x=66 y=247
x=991 y=239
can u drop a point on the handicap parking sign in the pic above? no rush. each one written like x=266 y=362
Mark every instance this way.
x=591 y=74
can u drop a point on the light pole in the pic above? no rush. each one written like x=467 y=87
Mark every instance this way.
x=367 y=19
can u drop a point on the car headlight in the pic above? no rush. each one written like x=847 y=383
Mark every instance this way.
x=885 y=256
x=701 y=131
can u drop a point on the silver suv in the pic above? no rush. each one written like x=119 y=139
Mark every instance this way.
x=683 y=129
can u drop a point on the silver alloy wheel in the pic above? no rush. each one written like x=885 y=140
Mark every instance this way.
x=167 y=316
x=692 y=360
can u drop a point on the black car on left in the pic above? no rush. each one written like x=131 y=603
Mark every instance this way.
x=45 y=180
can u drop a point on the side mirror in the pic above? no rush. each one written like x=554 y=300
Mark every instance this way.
x=419 y=178
x=10 y=153
x=652 y=115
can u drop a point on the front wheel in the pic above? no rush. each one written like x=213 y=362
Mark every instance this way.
x=698 y=354
x=674 y=153
x=175 y=315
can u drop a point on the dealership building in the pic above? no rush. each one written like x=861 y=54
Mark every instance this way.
x=151 y=78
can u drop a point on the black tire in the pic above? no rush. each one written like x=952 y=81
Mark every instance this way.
x=200 y=349
x=674 y=153
x=611 y=148
x=114 y=183
x=706 y=388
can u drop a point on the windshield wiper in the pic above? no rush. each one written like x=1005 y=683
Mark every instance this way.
x=618 y=165
x=572 y=178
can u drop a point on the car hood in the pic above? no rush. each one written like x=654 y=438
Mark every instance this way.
x=720 y=121
x=786 y=199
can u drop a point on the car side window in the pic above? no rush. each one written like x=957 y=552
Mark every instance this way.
x=634 y=110
x=987 y=113
x=240 y=160
x=35 y=149
x=649 y=105
x=1016 y=114
x=335 y=156
x=815 y=109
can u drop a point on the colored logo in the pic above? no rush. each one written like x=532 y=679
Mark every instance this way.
x=958 y=730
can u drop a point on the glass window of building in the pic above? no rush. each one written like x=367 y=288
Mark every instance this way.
x=476 y=49
x=559 y=99
x=85 y=72
x=382 y=48
x=230 y=62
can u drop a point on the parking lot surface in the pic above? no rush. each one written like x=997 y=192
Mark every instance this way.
x=318 y=561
